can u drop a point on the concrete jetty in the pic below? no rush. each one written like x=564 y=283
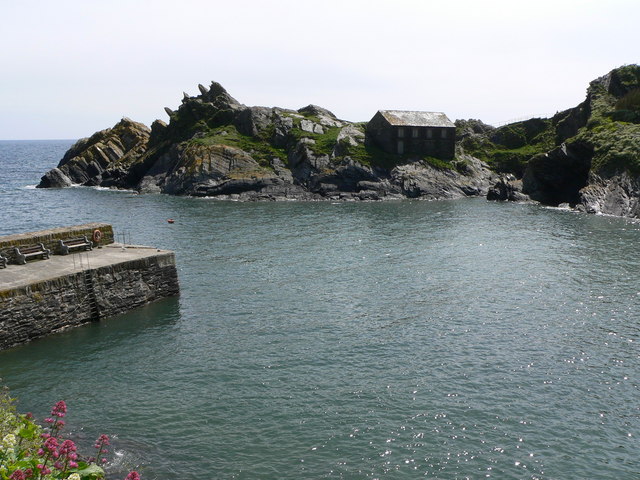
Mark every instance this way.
x=48 y=295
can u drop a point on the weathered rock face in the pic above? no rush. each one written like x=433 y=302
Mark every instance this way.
x=587 y=156
x=214 y=146
x=557 y=176
x=509 y=188
x=569 y=122
x=425 y=181
x=101 y=159
x=55 y=178
x=618 y=195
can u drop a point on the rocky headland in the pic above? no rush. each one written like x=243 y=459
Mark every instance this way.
x=213 y=146
x=587 y=157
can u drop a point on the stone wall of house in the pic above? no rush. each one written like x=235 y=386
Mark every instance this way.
x=50 y=306
x=409 y=140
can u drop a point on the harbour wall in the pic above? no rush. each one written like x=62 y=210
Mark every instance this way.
x=50 y=238
x=47 y=296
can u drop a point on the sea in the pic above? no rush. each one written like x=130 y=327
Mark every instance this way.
x=458 y=339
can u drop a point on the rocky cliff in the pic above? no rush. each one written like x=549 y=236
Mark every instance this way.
x=587 y=156
x=214 y=146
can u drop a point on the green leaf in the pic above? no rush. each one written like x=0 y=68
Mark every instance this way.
x=88 y=471
x=29 y=431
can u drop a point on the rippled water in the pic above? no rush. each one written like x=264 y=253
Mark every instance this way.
x=454 y=339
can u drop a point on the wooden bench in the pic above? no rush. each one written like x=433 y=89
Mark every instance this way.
x=3 y=261
x=28 y=251
x=72 y=243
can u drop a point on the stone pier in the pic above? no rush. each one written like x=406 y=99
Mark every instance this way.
x=64 y=291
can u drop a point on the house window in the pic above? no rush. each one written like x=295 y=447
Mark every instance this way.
x=444 y=133
x=400 y=147
x=401 y=133
x=414 y=132
x=429 y=133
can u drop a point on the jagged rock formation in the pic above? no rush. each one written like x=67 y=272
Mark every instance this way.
x=587 y=156
x=215 y=146
x=102 y=159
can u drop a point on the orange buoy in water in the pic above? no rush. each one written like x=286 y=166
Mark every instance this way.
x=170 y=220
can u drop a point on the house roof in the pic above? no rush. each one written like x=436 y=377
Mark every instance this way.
x=409 y=118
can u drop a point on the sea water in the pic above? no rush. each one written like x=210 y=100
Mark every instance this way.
x=403 y=339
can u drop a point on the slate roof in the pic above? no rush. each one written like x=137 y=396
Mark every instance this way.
x=409 y=118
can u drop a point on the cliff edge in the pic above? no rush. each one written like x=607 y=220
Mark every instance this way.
x=587 y=156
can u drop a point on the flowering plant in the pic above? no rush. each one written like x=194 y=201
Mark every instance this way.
x=31 y=452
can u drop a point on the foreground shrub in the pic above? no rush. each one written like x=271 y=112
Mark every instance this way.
x=29 y=451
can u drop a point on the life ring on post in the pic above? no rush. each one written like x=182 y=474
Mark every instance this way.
x=97 y=236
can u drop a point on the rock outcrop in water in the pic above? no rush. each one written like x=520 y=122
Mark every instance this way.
x=102 y=159
x=214 y=146
x=587 y=156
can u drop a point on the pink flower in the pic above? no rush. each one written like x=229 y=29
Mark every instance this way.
x=58 y=466
x=102 y=440
x=133 y=476
x=68 y=448
x=28 y=416
x=59 y=410
x=73 y=464
x=48 y=420
x=51 y=444
x=18 y=475
x=44 y=470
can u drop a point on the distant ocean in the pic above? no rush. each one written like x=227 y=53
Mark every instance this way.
x=395 y=340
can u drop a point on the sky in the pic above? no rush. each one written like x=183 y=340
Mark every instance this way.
x=72 y=67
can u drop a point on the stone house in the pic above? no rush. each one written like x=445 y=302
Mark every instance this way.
x=407 y=132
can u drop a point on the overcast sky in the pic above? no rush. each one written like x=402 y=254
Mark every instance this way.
x=69 y=68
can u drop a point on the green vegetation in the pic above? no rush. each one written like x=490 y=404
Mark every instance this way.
x=259 y=148
x=612 y=130
x=31 y=452
x=535 y=131
x=371 y=155
x=368 y=154
x=616 y=146
x=512 y=160
x=509 y=148
x=323 y=142
x=628 y=76
x=627 y=108
x=614 y=127
x=631 y=101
